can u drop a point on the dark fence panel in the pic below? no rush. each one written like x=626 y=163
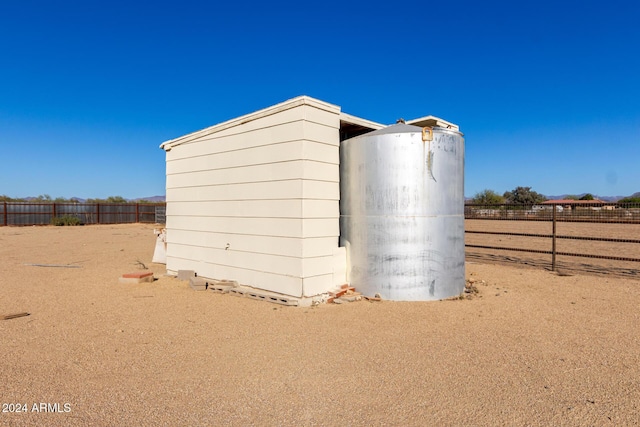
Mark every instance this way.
x=19 y=213
x=613 y=243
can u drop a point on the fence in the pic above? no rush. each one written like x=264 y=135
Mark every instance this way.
x=560 y=230
x=18 y=213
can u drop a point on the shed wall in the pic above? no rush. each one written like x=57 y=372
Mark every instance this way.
x=259 y=202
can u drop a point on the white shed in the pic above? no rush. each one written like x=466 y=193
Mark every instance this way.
x=256 y=199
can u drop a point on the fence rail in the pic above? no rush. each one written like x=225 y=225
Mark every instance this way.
x=20 y=213
x=617 y=221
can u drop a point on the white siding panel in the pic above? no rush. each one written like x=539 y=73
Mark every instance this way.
x=271 y=282
x=294 y=208
x=277 y=227
x=296 y=169
x=267 y=263
x=274 y=153
x=317 y=266
x=321 y=190
x=246 y=174
x=320 y=227
x=317 y=285
x=241 y=140
x=321 y=171
x=285 y=246
x=319 y=246
x=320 y=208
x=283 y=117
x=321 y=152
x=246 y=208
x=321 y=133
x=254 y=191
x=323 y=117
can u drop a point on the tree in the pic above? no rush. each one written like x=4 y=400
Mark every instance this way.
x=587 y=196
x=110 y=199
x=629 y=200
x=116 y=199
x=5 y=198
x=42 y=198
x=487 y=197
x=523 y=196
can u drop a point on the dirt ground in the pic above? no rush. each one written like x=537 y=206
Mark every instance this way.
x=531 y=348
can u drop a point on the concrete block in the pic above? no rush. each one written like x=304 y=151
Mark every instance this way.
x=186 y=274
x=198 y=284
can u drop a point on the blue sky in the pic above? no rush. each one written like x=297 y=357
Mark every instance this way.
x=546 y=93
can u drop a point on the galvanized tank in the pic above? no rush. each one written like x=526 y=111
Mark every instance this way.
x=402 y=212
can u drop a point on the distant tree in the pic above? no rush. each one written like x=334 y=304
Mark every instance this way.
x=61 y=200
x=629 y=200
x=110 y=199
x=571 y=197
x=587 y=196
x=116 y=199
x=487 y=197
x=523 y=196
x=42 y=198
x=4 y=198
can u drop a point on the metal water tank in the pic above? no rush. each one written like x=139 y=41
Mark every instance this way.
x=402 y=212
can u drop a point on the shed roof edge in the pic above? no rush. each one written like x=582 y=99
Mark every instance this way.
x=277 y=108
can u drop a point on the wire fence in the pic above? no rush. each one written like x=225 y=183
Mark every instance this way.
x=21 y=214
x=598 y=237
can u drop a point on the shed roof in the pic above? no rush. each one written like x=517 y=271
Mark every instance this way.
x=350 y=125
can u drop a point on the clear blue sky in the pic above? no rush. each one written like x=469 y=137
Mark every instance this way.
x=547 y=93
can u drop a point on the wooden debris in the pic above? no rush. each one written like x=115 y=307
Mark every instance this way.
x=54 y=265
x=15 y=315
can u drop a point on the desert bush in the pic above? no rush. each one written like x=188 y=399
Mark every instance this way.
x=66 y=220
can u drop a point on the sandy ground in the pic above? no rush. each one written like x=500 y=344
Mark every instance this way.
x=532 y=348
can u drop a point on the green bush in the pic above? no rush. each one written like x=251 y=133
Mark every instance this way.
x=66 y=220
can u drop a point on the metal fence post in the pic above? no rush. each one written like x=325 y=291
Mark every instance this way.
x=137 y=212
x=553 y=241
x=5 y=214
x=97 y=213
x=53 y=211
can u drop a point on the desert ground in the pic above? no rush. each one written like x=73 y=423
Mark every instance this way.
x=531 y=348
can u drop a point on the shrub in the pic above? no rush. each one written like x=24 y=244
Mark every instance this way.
x=66 y=220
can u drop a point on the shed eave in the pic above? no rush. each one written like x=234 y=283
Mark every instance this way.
x=348 y=118
x=274 y=109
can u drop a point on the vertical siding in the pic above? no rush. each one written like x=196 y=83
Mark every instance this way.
x=258 y=202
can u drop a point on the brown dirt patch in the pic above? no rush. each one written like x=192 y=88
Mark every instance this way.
x=530 y=348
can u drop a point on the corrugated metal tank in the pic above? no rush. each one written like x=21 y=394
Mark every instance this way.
x=402 y=212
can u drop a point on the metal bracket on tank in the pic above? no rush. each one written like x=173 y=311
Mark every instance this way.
x=427 y=135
